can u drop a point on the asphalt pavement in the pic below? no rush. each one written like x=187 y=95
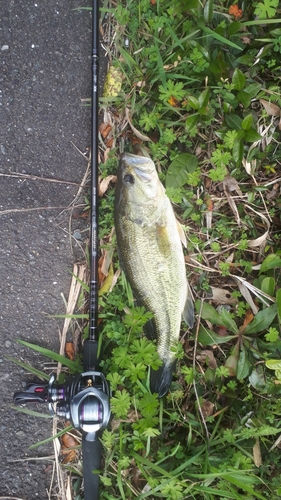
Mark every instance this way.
x=45 y=52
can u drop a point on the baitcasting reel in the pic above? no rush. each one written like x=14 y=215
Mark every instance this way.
x=83 y=399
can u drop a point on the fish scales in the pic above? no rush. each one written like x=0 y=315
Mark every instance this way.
x=151 y=255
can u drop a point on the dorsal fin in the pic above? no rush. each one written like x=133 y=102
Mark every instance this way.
x=181 y=234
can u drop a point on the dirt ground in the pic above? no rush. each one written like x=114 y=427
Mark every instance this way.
x=45 y=51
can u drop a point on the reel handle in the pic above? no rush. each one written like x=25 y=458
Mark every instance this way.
x=34 y=393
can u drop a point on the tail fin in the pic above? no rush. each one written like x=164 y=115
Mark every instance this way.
x=160 y=380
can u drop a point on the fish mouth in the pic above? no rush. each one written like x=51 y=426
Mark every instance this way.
x=142 y=166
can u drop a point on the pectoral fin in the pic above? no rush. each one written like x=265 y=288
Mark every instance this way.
x=188 y=310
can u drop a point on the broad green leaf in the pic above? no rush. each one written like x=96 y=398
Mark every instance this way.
x=233 y=28
x=257 y=378
x=232 y=360
x=270 y=262
x=191 y=121
x=193 y=4
x=238 y=79
x=208 y=11
x=278 y=300
x=244 y=98
x=193 y=102
x=180 y=166
x=262 y=320
x=247 y=122
x=208 y=312
x=243 y=366
x=252 y=135
x=203 y=98
x=227 y=321
x=233 y=121
x=237 y=151
x=208 y=337
x=274 y=364
x=253 y=89
x=268 y=286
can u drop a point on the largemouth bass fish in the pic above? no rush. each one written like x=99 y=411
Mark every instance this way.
x=151 y=255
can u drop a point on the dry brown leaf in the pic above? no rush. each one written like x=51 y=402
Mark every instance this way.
x=104 y=183
x=107 y=259
x=257 y=242
x=257 y=453
x=207 y=408
x=207 y=357
x=114 y=279
x=68 y=443
x=106 y=154
x=246 y=39
x=110 y=143
x=221 y=296
x=222 y=331
x=247 y=320
x=105 y=129
x=69 y=350
x=277 y=444
x=262 y=296
x=230 y=184
x=247 y=296
x=209 y=218
x=230 y=258
x=262 y=239
x=247 y=165
x=270 y=108
x=139 y=135
x=274 y=193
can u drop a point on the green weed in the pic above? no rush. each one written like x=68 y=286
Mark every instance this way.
x=202 y=79
x=196 y=76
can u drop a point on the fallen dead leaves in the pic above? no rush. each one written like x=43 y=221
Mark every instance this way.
x=70 y=446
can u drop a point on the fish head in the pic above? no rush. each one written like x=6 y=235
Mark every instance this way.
x=138 y=180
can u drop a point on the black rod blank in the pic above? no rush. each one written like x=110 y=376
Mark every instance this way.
x=91 y=344
x=91 y=449
x=94 y=176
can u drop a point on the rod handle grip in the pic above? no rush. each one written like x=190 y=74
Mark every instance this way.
x=91 y=452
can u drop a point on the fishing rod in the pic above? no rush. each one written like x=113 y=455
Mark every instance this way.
x=84 y=398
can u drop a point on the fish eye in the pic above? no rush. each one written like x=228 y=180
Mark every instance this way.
x=129 y=179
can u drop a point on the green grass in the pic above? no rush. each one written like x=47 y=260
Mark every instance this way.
x=204 y=87
x=193 y=78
